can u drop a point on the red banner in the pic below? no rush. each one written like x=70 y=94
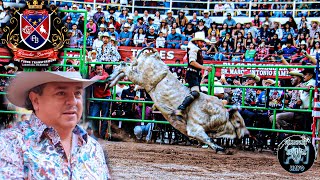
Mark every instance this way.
x=44 y=54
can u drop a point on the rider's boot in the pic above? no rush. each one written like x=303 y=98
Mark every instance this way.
x=186 y=102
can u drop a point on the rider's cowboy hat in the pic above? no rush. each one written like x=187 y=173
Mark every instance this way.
x=248 y=74
x=20 y=86
x=11 y=66
x=200 y=36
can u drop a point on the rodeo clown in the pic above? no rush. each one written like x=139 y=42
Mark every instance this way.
x=193 y=75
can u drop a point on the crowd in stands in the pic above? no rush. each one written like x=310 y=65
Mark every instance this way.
x=256 y=40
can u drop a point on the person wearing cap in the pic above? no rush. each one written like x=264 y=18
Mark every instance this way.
x=124 y=15
x=170 y=19
x=150 y=23
x=202 y=27
x=139 y=25
x=114 y=22
x=314 y=28
x=111 y=30
x=51 y=144
x=193 y=74
x=285 y=120
x=98 y=14
x=261 y=99
x=76 y=38
x=229 y=21
x=181 y=20
x=125 y=35
x=150 y=38
x=68 y=23
x=207 y=19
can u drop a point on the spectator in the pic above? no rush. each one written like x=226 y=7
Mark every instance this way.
x=256 y=22
x=289 y=50
x=157 y=18
x=250 y=53
x=128 y=94
x=76 y=38
x=301 y=56
x=136 y=17
x=277 y=29
x=181 y=20
x=213 y=27
x=315 y=49
x=91 y=28
x=194 y=19
x=189 y=31
x=98 y=14
x=250 y=28
x=164 y=28
x=249 y=40
x=177 y=70
x=170 y=19
x=90 y=14
x=131 y=24
x=125 y=36
x=218 y=91
x=97 y=43
x=221 y=52
x=301 y=37
x=229 y=7
x=219 y=9
x=145 y=16
x=292 y=23
x=262 y=52
x=304 y=30
x=262 y=98
x=103 y=48
x=102 y=29
x=150 y=39
x=264 y=33
x=285 y=120
x=207 y=19
x=151 y=24
x=111 y=30
x=140 y=25
x=274 y=44
x=314 y=28
x=174 y=39
x=102 y=21
x=237 y=54
x=118 y=111
x=229 y=40
x=202 y=27
x=178 y=29
x=68 y=23
x=237 y=29
x=100 y=91
x=315 y=38
x=213 y=38
x=140 y=129
x=116 y=25
x=112 y=11
x=302 y=21
x=239 y=39
x=111 y=54
x=160 y=41
x=229 y=21
x=74 y=15
x=124 y=15
x=268 y=21
x=139 y=38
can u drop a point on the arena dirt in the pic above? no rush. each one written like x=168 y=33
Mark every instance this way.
x=131 y=160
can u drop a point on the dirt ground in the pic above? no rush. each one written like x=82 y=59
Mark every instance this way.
x=130 y=160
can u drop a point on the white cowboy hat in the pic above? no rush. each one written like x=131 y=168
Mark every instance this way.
x=270 y=81
x=99 y=7
x=295 y=73
x=11 y=66
x=130 y=17
x=168 y=12
x=199 y=36
x=74 y=6
x=206 y=12
x=111 y=26
x=102 y=26
x=126 y=25
x=115 y=41
x=24 y=81
x=248 y=74
x=105 y=34
x=88 y=6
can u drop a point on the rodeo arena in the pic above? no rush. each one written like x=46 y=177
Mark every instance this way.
x=193 y=89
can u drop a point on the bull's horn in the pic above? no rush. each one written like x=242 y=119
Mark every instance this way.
x=150 y=48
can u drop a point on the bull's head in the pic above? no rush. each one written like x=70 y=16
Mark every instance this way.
x=145 y=70
x=237 y=122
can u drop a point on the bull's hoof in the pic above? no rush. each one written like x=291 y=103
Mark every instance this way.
x=220 y=150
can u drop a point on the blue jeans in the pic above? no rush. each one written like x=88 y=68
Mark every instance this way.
x=151 y=45
x=177 y=46
x=139 y=131
x=95 y=109
x=249 y=59
x=126 y=42
x=278 y=14
x=219 y=57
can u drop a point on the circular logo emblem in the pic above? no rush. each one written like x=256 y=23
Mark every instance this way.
x=296 y=154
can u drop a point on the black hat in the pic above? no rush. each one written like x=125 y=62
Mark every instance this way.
x=201 y=20
x=112 y=8
x=213 y=23
x=229 y=14
x=309 y=70
x=150 y=19
x=140 y=18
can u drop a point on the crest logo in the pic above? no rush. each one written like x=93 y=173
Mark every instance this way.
x=35 y=34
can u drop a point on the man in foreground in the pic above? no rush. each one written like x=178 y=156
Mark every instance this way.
x=50 y=145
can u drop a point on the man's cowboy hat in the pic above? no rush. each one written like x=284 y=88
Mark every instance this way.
x=163 y=21
x=249 y=22
x=126 y=25
x=99 y=7
x=102 y=26
x=130 y=17
x=314 y=21
x=74 y=6
x=270 y=81
x=206 y=12
x=11 y=66
x=310 y=71
x=20 y=86
x=88 y=6
x=199 y=36
x=111 y=26
x=248 y=74
x=115 y=41
x=105 y=34
x=169 y=12
x=295 y=73
x=274 y=22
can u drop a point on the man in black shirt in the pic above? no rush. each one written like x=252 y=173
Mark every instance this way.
x=150 y=39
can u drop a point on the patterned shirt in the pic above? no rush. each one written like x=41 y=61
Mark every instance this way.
x=250 y=97
x=32 y=150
